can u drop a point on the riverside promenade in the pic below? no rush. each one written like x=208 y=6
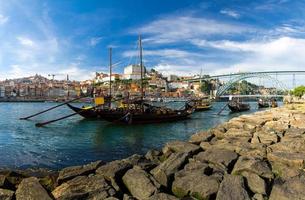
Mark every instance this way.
x=257 y=156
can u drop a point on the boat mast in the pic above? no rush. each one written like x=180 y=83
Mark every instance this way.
x=110 y=74
x=141 y=65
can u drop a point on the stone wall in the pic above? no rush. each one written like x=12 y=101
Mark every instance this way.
x=257 y=156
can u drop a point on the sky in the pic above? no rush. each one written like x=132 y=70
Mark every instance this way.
x=179 y=36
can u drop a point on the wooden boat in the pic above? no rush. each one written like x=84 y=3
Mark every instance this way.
x=201 y=104
x=262 y=104
x=237 y=106
x=149 y=114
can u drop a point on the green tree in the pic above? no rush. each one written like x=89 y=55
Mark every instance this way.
x=204 y=87
x=299 y=91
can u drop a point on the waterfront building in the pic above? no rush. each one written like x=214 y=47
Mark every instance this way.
x=133 y=72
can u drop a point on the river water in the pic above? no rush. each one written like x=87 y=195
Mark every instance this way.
x=76 y=141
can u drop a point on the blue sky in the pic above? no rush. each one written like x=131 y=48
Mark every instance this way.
x=179 y=36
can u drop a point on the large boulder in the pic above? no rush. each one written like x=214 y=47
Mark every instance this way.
x=4 y=182
x=203 y=136
x=292 y=188
x=6 y=194
x=84 y=187
x=234 y=132
x=30 y=189
x=221 y=157
x=141 y=161
x=11 y=178
x=242 y=146
x=153 y=155
x=113 y=171
x=277 y=126
x=140 y=184
x=194 y=183
x=164 y=172
x=194 y=165
x=265 y=137
x=255 y=183
x=254 y=165
x=232 y=188
x=180 y=147
x=291 y=159
x=71 y=172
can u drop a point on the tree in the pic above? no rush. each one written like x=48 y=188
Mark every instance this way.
x=204 y=87
x=299 y=91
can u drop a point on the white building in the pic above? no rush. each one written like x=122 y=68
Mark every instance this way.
x=133 y=72
x=2 y=91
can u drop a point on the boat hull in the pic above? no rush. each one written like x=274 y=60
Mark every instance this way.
x=203 y=108
x=238 y=107
x=128 y=117
x=263 y=105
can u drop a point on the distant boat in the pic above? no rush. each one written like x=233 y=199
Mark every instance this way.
x=237 y=106
x=263 y=104
x=202 y=104
x=274 y=103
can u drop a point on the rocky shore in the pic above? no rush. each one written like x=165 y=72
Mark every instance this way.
x=257 y=156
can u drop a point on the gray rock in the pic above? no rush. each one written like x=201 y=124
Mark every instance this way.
x=221 y=157
x=284 y=171
x=205 y=145
x=203 y=136
x=254 y=165
x=153 y=155
x=236 y=132
x=71 y=172
x=164 y=172
x=181 y=147
x=258 y=197
x=113 y=171
x=291 y=159
x=194 y=165
x=141 y=161
x=13 y=178
x=232 y=188
x=265 y=137
x=83 y=187
x=292 y=188
x=255 y=183
x=3 y=182
x=195 y=184
x=162 y=196
x=6 y=194
x=140 y=184
x=30 y=189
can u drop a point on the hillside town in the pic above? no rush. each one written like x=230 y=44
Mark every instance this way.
x=39 y=88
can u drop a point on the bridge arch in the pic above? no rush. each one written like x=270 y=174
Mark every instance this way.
x=221 y=90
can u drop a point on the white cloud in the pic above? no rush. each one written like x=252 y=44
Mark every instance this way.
x=77 y=73
x=94 y=41
x=230 y=13
x=284 y=53
x=3 y=19
x=177 y=29
x=25 y=41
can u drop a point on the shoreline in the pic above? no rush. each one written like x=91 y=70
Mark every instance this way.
x=255 y=156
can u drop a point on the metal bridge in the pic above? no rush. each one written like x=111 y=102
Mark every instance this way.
x=236 y=77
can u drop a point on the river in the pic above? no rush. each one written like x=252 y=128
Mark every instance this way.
x=76 y=141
